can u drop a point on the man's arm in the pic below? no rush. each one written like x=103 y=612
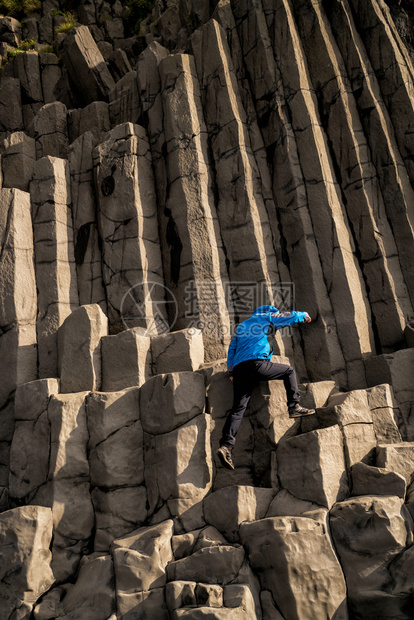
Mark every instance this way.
x=289 y=318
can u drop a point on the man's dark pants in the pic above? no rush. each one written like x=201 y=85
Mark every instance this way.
x=246 y=376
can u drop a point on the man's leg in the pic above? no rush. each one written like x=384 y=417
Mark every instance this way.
x=269 y=371
x=244 y=379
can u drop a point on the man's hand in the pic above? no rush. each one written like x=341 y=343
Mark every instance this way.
x=231 y=378
x=307 y=319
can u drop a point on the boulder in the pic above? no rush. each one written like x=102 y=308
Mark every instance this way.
x=368 y=533
x=79 y=349
x=177 y=351
x=384 y=413
x=149 y=604
x=312 y=466
x=180 y=594
x=18 y=156
x=141 y=558
x=178 y=467
x=396 y=370
x=243 y=503
x=397 y=457
x=359 y=443
x=168 y=401
x=284 y=504
x=93 y=594
x=25 y=538
x=214 y=565
x=295 y=560
x=86 y=65
x=368 y=480
x=126 y=359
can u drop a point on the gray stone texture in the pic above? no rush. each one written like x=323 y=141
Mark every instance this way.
x=86 y=65
x=127 y=223
x=57 y=291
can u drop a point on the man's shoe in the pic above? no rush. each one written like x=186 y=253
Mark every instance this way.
x=224 y=454
x=299 y=412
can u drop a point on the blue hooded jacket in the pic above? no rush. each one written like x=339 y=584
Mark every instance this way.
x=250 y=341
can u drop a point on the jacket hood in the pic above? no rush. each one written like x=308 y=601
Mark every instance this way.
x=265 y=310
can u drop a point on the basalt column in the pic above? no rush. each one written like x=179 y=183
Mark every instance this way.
x=196 y=263
x=127 y=223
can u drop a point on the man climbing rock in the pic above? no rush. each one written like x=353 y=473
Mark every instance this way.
x=248 y=362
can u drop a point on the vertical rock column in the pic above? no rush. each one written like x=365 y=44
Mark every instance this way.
x=27 y=69
x=364 y=204
x=320 y=342
x=17 y=311
x=196 y=258
x=127 y=221
x=243 y=219
x=395 y=184
x=88 y=256
x=329 y=220
x=394 y=70
x=54 y=256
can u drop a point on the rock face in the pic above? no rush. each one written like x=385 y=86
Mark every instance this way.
x=165 y=168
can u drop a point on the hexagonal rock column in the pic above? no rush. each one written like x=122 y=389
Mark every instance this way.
x=312 y=466
x=296 y=562
x=379 y=129
x=168 y=401
x=88 y=256
x=25 y=535
x=321 y=344
x=397 y=457
x=178 y=469
x=116 y=464
x=54 y=256
x=177 y=351
x=79 y=349
x=243 y=503
x=27 y=68
x=396 y=369
x=194 y=266
x=18 y=157
x=352 y=413
x=368 y=533
x=240 y=208
x=68 y=491
x=384 y=413
x=17 y=292
x=140 y=561
x=49 y=129
x=127 y=222
x=389 y=299
x=92 y=594
x=11 y=116
x=126 y=359
x=86 y=65
x=29 y=453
